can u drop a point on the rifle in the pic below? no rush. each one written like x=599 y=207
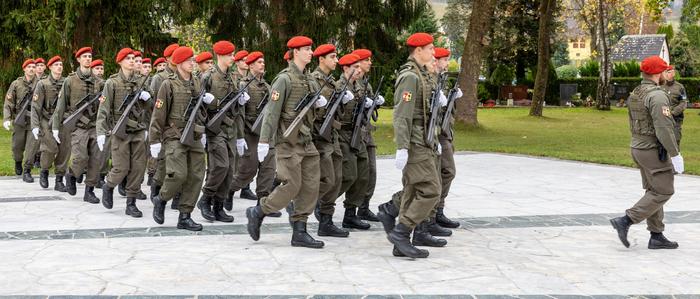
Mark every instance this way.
x=335 y=100
x=257 y=125
x=358 y=121
x=304 y=105
x=21 y=118
x=71 y=120
x=451 y=98
x=214 y=123
x=434 y=110
x=119 y=129
x=187 y=137
x=372 y=111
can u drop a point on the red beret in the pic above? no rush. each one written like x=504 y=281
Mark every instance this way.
x=362 y=53
x=169 y=50
x=96 y=62
x=146 y=61
x=653 y=65
x=298 y=42
x=202 y=57
x=39 y=60
x=83 y=50
x=123 y=53
x=441 y=52
x=349 y=59
x=324 y=49
x=419 y=39
x=137 y=54
x=252 y=57
x=159 y=61
x=286 y=55
x=181 y=54
x=240 y=55
x=27 y=62
x=53 y=59
x=224 y=47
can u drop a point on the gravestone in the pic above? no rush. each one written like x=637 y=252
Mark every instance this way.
x=566 y=91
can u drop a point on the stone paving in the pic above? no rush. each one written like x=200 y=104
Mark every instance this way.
x=531 y=228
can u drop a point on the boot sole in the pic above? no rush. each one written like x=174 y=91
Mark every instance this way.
x=447 y=225
x=193 y=229
x=393 y=242
x=296 y=244
x=134 y=215
x=624 y=241
x=356 y=227
x=428 y=245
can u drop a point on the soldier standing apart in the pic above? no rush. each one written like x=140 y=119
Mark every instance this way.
x=679 y=101
x=128 y=152
x=184 y=164
x=43 y=107
x=296 y=157
x=653 y=142
x=84 y=152
x=19 y=94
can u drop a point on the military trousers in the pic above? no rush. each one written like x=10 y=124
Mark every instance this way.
x=221 y=156
x=448 y=170
x=52 y=152
x=657 y=180
x=421 y=186
x=372 y=171
x=331 y=164
x=85 y=155
x=24 y=146
x=249 y=166
x=184 y=172
x=299 y=174
x=106 y=155
x=128 y=162
x=355 y=175
x=678 y=129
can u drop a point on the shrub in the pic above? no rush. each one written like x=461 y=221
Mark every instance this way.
x=589 y=69
x=567 y=71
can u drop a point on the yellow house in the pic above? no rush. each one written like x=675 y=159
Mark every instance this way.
x=579 y=50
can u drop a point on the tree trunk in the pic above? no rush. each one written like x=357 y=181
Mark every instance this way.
x=546 y=10
x=603 y=95
x=479 y=24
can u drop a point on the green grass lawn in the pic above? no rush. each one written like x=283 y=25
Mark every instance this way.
x=581 y=134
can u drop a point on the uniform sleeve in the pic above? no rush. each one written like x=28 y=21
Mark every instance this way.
x=663 y=122
x=9 y=102
x=160 y=113
x=37 y=103
x=57 y=117
x=404 y=96
x=682 y=103
x=273 y=109
x=156 y=81
x=105 y=111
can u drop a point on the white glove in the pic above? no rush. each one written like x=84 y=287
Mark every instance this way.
x=208 y=98
x=347 y=97
x=677 y=162
x=101 y=142
x=321 y=102
x=55 y=135
x=35 y=132
x=155 y=150
x=243 y=98
x=443 y=99
x=263 y=149
x=241 y=146
x=145 y=136
x=458 y=93
x=439 y=149
x=401 y=158
x=203 y=140
x=380 y=100
x=368 y=102
x=6 y=124
x=145 y=96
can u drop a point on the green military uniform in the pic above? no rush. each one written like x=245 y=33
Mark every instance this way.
x=128 y=154
x=158 y=166
x=43 y=107
x=355 y=161
x=651 y=125
x=248 y=165
x=679 y=101
x=371 y=165
x=184 y=165
x=297 y=161
x=23 y=143
x=106 y=154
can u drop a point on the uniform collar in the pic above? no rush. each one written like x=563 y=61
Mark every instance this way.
x=647 y=81
x=294 y=69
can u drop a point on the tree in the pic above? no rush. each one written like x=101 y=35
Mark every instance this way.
x=603 y=94
x=560 y=57
x=546 y=12
x=455 y=22
x=474 y=44
x=684 y=55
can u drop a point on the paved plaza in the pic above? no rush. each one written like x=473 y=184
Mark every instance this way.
x=531 y=227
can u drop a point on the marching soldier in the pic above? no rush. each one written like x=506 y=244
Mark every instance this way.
x=84 y=152
x=222 y=146
x=184 y=164
x=128 y=152
x=679 y=100
x=204 y=63
x=43 y=107
x=241 y=69
x=97 y=69
x=18 y=95
x=40 y=68
x=296 y=156
x=239 y=73
x=160 y=64
x=146 y=69
x=653 y=142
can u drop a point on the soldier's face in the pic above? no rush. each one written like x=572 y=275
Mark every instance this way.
x=442 y=64
x=366 y=64
x=128 y=62
x=137 y=63
x=187 y=66
x=57 y=68
x=304 y=54
x=425 y=54
x=85 y=59
x=670 y=75
x=258 y=67
x=330 y=61
x=98 y=70
x=160 y=66
x=29 y=69
x=226 y=60
x=40 y=68
x=205 y=66
x=431 y=66
x=242 y=65
x=145 y=69
x=357 y=69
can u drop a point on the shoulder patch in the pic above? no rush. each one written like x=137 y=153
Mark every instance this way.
x=666 y=111
x=102 y=99
x=275 y=95
x=9 y=95
x=159 y=103
x=406 y=97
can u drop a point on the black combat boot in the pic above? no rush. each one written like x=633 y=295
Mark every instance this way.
x=158 y=209
x=141 y=195
x=622 y=225
x=443 y=221
x=290 y=211
x=37 y=160
x=255 y=217
x=44 y=178
x=90 y=195
x=149 y=182
x=300 y=238
x=184 y=221
x=247 y=194
x=59 y=186
x=204 y=205
x=18 y=168
x=219 y=213
x=228 y=202
x=365 y=213
x=387 y=215
x=326 y=228
x=352 y=221
x=397 y=253
x=131 y=208
x=71 y=188
x=434 y=229
x=317 y=210
x=27 y=176
x=101 y=182
x=107 y=196
x=155 y=189
x=122 y=188
x=175 y=202
x=80 y=178
x=400 y=236
x=421 y=237
x=659 y=241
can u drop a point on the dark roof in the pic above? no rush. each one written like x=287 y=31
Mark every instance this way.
x=637 y=47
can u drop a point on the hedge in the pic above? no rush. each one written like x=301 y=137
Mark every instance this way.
x=589 y=86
